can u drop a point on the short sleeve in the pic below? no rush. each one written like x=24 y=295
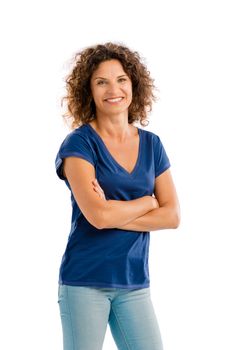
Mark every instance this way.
x=161 y=160
x=75 y=145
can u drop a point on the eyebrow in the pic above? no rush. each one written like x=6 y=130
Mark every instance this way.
x=124 y=75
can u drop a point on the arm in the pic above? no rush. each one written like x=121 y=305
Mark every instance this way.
x=167 y=215
x=126 y=211
x=167 y=212
x=101 y=213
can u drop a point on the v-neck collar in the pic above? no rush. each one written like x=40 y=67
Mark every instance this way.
x=114 y=160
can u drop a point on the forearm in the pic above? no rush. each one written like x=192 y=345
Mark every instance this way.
x=156 y=219
x=123 y=212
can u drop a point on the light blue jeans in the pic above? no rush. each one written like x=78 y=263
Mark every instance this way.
x=86 y=311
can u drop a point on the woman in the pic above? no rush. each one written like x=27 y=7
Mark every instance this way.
x=121 y=188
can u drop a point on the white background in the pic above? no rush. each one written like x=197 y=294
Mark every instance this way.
x=187 y=46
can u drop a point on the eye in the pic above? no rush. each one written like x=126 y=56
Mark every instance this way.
x=122 y=79
x=100 y=82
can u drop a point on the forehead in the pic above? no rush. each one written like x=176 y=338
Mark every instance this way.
x=110 y=67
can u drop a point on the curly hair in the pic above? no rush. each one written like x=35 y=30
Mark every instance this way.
x=79 y=101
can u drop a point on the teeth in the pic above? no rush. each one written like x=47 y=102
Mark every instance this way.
x=114 y=99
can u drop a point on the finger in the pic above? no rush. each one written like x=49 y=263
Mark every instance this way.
x=96 y=189
x=96 y=183
x=98 y=186
x=98 y=192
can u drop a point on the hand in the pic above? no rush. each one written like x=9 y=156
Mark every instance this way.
x=98 y=189
x=156 y=203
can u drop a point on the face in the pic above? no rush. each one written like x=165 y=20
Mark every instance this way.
x=111 y=88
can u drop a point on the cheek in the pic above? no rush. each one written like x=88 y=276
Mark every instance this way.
x=94 y=91
x=129 y=91
x=95 y=95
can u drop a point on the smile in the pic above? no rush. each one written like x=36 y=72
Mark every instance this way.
x=114 y=100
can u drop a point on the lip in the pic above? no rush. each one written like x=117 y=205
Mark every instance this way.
x=114 y=103
x=112 y=98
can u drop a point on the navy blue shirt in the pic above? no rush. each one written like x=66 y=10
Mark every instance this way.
x=109 y=257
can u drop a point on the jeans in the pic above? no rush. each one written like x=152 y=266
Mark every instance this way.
x=86 y=311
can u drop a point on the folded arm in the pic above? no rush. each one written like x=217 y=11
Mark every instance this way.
x=101 y=213
x=166 y=215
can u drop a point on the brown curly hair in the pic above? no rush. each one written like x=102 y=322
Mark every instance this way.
x=80 y=104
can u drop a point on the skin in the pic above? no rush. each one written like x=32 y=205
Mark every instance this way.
x=108 y=81
x=111 y=81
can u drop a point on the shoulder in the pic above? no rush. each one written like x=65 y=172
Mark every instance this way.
x=77 y=140
x=76 y=136
x=150 y=135
x=75 y=144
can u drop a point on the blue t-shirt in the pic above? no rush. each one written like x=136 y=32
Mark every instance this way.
x=109 y=257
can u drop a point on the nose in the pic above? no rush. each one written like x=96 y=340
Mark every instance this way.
x=113 y=89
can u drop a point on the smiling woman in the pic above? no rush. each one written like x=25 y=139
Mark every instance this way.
x=121 y=188
x=111 y=90
x=81 y=107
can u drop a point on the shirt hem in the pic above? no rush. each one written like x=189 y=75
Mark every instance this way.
x=105 y=285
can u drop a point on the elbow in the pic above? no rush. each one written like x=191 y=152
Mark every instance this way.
x=175 y=224
x=98 y=222
x=176 y=219
x=93 y=221
x=97 y=225
x=100 y=225
x=100 y=219
x=105 y=217
x=96 y=218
